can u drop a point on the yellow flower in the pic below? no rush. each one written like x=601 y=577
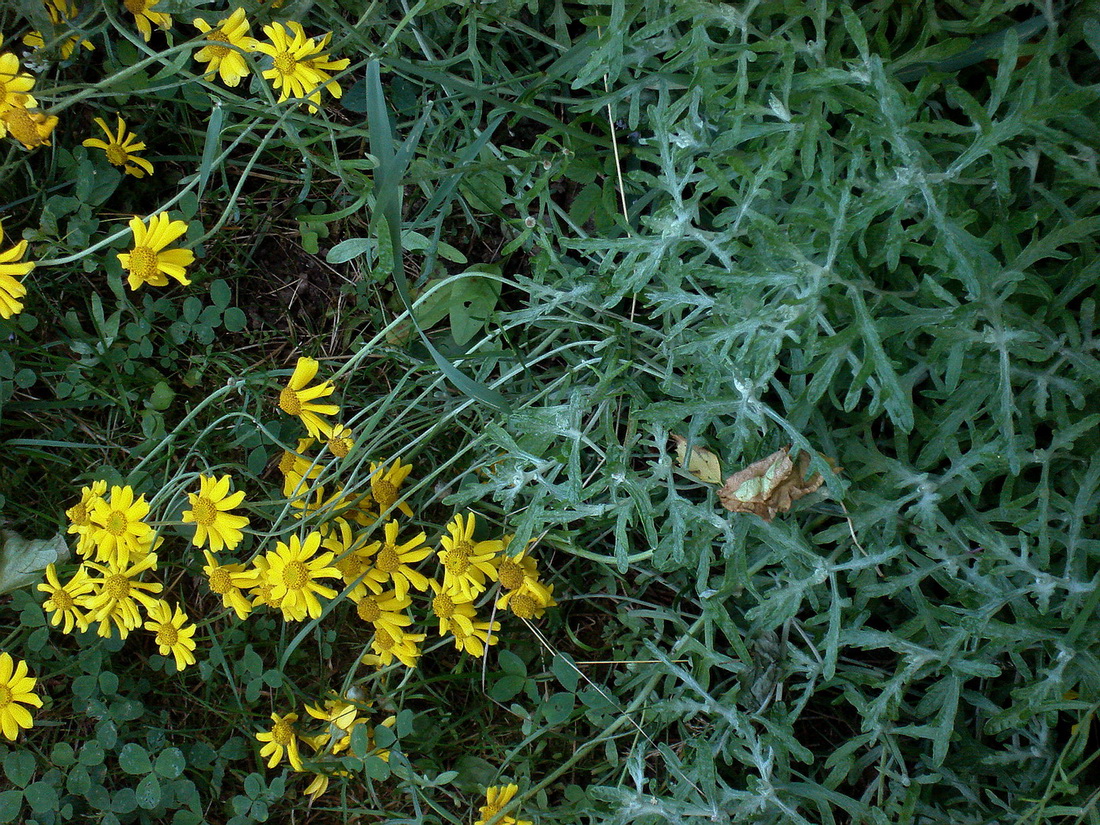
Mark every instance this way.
x=389 y=644
x=120 y=148
x=229 y=63
x=80 y=516
x=66 y=600
x=148 y=262
x=298 y=399
x=521 y=571
x=282 y=737
x=496 y=798
x=320 y=782
x=466 y=564
x=459 y=619
x=60 y=12
x=392 y=562
x=174 y=635
x=299 y=67
x=117 y=529
x=226 y=580
x=315 y=789
x=384 y=611
x=144 y=16
x=215 y=526
x=353 y=561
x=385 y=483
x=451 y=613
x=16 y=690
x=14 y=86
x=525 y=595
x=340 y=715
x=293 y=572
x=258 y=582
x=11 y=291
x=117 y=594
x=476 y=642
x=295 y=466
x=340 y=440
x=528 y=603
x=32 y=129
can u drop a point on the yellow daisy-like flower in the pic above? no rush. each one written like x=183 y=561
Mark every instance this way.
x=65 y=601
x=146 y=18
x=528 y=603
x=298 y=468
x=296 y=398
x=32 y=129
x=450 y=611
x=496 y=797
x=392 y=562
x=16 y=690
x=282 y=738
x=219 y=56
x=15 y=86
x=340 y=440
x=120 y=148
x=521 y=571
x=351 y=559
x=174 y=634
x=293 y=572
x=258 y=582
x=149 y=262
x=226 y=580
x=476 y=642
x=214 y=525
x=316 y=789
x=526 y=596
x=467 y=564
x=11 y=291
x=117 y=529
x=116 y=596
x=389 y=645
x=60 y=12
x=320 y=782
x=299 y=68
x=386 y=483
x=340 y=716
x=384 y=612
x=80 y=516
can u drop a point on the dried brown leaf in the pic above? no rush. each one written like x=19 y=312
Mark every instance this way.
x=769 y=486
x=702 y=463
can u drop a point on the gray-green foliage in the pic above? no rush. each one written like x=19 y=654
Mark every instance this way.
x=899 y=275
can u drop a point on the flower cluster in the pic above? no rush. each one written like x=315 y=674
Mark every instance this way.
x=337 y=720
x=300 y=69
x=118 y=546
x=381 y=573
x=352 y=545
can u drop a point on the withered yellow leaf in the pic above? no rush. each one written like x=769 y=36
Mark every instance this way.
x=703 y=464
x=769 y=486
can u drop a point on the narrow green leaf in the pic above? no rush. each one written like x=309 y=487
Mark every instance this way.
x=391 y=168
x=211 y=147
